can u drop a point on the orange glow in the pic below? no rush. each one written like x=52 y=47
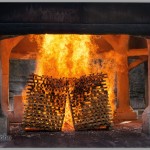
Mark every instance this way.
x=31 y=129
x=63 y=56
x=72 y=55
x=68 y=122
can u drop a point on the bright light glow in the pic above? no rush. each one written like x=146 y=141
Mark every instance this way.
x=125 y=122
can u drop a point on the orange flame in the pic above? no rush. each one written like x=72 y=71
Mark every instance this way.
x=72 y=55
x=64 y=55
x=68 y=122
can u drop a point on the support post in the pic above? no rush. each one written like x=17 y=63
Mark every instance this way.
x=146 y=113
x=124 y=110
x=146 y=82
x=120 y=45
x=5 y=50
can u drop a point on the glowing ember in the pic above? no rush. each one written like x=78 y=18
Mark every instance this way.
x=68 y=122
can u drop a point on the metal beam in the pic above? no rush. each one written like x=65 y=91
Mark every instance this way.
x=137 y=62
x=137 y=52
x=63 y=28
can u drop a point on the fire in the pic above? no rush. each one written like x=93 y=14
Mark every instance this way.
x=72 y=55
x=64 y=56
x=68 y=122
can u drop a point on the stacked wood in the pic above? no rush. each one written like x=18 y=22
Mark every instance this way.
x=90 y=104
x=45 y=106
x=46 y=100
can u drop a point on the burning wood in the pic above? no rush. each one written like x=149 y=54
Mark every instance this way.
x=45 y=106
x=65 y=95
x=90 y=104
x=86 y=98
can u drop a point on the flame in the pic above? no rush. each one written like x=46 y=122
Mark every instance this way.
x=64 y=56
x=73 y=55
x=68 y=122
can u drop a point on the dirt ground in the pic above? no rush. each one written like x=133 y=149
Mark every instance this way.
x=123 y=135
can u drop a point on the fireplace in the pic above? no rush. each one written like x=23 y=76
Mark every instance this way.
x=100 y=32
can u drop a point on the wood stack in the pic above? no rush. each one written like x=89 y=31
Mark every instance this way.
x=46 y=100
x=45 y=106
x=90 y=104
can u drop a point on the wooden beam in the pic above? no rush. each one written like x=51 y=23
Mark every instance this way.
x=137 y=62
x=137 y=52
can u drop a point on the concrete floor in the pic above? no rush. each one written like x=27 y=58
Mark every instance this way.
x=125 y=134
